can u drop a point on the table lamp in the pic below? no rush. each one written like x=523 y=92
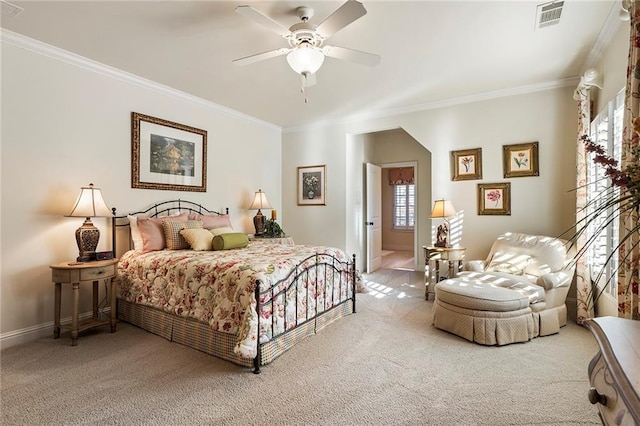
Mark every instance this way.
x=89 y=204
x=443 y=209
x=259 y=202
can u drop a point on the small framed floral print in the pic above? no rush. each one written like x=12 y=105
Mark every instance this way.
x=466 y=164
x=494 y=199
x=520 y=160
x=312 y=188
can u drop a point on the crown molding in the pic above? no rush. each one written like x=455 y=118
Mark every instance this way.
x=479 y=97
x=21 y=41
x=606 y=35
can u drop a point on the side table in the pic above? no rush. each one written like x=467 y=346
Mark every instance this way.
x=76 y=273
x=432 y=258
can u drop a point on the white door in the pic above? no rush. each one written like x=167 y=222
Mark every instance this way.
x=374 y=213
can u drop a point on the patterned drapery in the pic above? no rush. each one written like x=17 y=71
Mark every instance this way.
x=401 y=176
x=583 y=277
x=629 y=253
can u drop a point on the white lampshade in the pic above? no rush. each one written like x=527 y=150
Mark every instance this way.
x=443 y=209
x=90 y=203
x=260 y=201
x=305 y=59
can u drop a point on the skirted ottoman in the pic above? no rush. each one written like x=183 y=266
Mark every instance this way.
x=496 y=304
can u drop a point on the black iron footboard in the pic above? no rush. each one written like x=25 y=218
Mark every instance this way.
x=325 y=266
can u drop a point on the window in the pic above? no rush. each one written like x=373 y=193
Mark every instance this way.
x=404 y=207
x=606 y=130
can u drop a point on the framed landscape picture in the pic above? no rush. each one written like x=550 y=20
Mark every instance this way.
x=167 y=155
x=466 y=164
x=312 y=188
x=494 y=199
x=520 y=160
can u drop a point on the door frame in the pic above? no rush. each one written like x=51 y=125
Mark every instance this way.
x=416 y=249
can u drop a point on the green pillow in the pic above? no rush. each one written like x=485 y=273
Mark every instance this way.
x=230 y=241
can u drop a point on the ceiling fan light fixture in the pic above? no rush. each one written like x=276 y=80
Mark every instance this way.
x=305 y=59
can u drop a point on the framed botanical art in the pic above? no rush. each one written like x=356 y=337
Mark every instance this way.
x=312 y=188
x=494 y=199
x=167 y=155
x=466 y=164
x=520 y=160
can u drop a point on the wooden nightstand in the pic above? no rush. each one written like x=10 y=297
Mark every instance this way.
x=432 y=258
x=76 y=273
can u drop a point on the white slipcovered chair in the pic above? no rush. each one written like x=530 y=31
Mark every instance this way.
x=516 y=294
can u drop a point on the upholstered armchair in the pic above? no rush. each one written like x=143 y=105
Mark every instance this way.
x=518 y=292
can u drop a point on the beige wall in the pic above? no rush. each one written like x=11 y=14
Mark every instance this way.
x=613 y=68
x=540 y=205
x=65 y=126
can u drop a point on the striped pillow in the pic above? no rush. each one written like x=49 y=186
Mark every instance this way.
x=172 y=236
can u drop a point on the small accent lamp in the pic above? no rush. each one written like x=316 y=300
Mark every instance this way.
x=259 y=202
x=442 y=209
x=89 y=204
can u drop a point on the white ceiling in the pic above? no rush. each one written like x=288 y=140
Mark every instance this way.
x=432 y=51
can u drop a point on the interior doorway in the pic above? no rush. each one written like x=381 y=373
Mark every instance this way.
x=398 y=196
x=389 y=149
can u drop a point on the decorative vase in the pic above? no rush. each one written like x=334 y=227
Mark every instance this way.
x=311 y=194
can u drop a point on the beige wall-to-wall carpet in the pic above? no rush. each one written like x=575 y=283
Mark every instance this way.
x=384 y=365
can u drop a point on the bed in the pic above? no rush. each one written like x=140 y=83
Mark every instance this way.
x=245 y=305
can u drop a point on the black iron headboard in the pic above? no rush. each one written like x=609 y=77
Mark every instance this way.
x=165 y=208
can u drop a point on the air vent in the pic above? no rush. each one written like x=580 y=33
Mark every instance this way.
x=548 y=14
x=9 y=9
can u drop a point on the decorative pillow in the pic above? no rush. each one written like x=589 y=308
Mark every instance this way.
x=172 y=229
x=136 y=236
x=511 y=263
x=220 y=231
x=230 y=240
x=212 y=220
x=152 y=232
x=198 y=239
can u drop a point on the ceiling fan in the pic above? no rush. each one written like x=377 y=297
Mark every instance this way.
x=306 y=52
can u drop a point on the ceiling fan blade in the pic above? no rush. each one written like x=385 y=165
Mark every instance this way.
x=343 y=16
x=263 y=20
x=363 y=58
x=261 y=56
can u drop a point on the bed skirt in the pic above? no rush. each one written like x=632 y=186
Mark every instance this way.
x=200 y=336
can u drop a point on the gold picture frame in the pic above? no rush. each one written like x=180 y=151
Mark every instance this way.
x=494 y=199
x=466 y=164
x=520 y=160
x=167 y=155
x=312 y=185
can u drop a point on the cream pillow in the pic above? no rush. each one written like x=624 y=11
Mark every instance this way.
x=198 y=239
x=221 y=230
x=511 y=263
x=136 y=236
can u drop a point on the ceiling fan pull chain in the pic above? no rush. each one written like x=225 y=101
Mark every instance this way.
x=303 y=89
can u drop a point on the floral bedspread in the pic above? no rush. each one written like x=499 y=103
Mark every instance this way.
x=218 y=287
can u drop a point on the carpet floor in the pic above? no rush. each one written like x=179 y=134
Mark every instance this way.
x=384 y=365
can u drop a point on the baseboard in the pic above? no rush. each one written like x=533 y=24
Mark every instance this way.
x=18 y=337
